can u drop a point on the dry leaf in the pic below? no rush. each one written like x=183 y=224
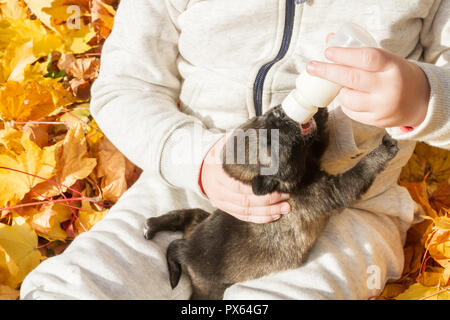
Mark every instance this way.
x=73 y=162
x=88 y=217
x=83 y=68
x=32 y=100
x=418 y=291
x=32 y=160
x=7 y=293
x=47 y=220
x=18 y=253
x=102 y=18
x=112 y=169
x=419 y=193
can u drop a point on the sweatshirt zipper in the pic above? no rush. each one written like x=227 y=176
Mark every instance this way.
x=285 y=42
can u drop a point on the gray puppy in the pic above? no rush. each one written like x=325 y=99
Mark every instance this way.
x=219 y=250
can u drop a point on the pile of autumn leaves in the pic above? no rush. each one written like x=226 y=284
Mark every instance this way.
x=58 y=173
x=427 y=249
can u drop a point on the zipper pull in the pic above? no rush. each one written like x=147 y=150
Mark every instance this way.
x=300 y=1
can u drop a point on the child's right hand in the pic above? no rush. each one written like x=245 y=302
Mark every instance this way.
x=236 y=198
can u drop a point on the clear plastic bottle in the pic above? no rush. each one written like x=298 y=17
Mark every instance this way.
x=312 y=92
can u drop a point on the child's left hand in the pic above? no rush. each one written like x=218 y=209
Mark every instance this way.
x=379 y=88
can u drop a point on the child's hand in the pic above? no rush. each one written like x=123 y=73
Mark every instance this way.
x=235 y=197
x=379 y=88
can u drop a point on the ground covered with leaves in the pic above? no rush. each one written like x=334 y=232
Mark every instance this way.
x=59 y=175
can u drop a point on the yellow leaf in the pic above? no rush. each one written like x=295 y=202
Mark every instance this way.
x=36 y=6
x=427 y=162
x=76 y=40
x=47 y=221
x=419 y=193
x=38 y=41
x=438 y=242
x=73 y=162
x=102 y=17
x=88 y=217
x=418 y=291
x=434 y=276
x=13 y=9
x=35 y=71
x=112 y=169
x=32 y=100
x=24 y=56
x=6 y=293
x=18 y=244
x=33 y=160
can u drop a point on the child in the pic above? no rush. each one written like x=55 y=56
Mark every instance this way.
x=226 y=61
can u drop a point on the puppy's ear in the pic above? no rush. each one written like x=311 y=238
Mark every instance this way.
x=264 y=184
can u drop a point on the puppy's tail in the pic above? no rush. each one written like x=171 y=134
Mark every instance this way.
x=175 y=257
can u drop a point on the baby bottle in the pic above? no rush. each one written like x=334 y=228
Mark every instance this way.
x=312 y=92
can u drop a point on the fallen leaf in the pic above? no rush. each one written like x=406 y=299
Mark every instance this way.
x=418 y=291
x=73 y=162
x=18 y=248
x=47 y=221
x=88 y=217
x=83 y=68
x=7 y=293
x=427 y=162
x=33 y=160
x=440 y=199
x=102 y=17
x=112 y=170
x=32 y=100
x=419 y=193
x=13 y=9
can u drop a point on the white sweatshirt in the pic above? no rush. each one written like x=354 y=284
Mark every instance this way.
x=177 y=70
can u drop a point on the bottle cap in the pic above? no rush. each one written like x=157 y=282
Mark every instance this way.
x=297 y=108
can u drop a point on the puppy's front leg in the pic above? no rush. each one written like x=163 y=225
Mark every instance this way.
x=352 y=184
x=330 y=192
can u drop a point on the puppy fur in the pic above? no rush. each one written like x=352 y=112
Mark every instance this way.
x=219 y=250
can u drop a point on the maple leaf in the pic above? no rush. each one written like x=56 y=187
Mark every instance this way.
x=440 y=199
x=83 y=68
x=73 y=162
x=114 y=169
x=18 y=253
x=88 y=217
x=32 y=100
x=32 y=160
x=438 y=242
x=13 y=9
x=47 y=220
x=102 y=17
x=418 y=291
x=7 y=293
x=427 y=163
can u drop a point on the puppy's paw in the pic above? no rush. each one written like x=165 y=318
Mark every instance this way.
x=149 y=230
x=390 y=145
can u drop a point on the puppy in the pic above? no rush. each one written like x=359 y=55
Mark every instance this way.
x=219 y=250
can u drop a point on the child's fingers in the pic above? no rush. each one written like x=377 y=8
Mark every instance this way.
x=369 y=59
x=237 y=210
x=251 y=200
x=363 y=117
x=257 y=219
x=354 y=100
x=346 y=76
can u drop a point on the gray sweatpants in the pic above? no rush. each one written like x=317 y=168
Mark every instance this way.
x=357 y=253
